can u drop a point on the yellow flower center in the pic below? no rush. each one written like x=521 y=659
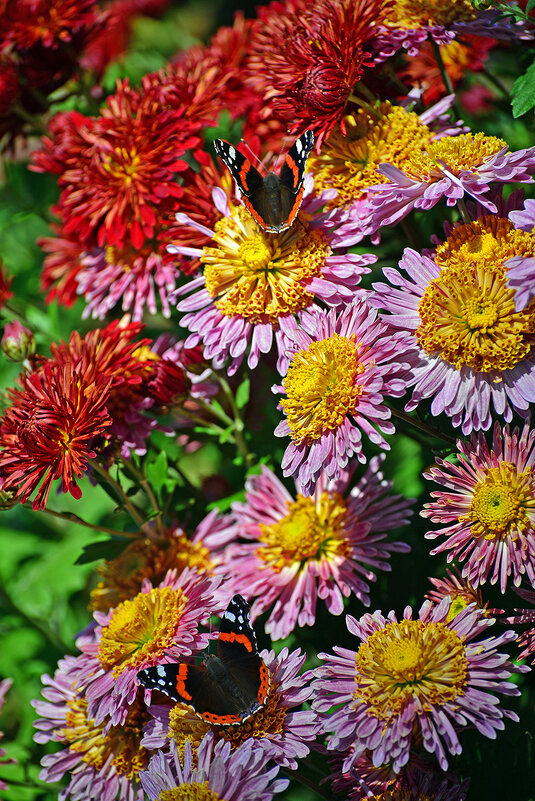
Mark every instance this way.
x=320 y=387
x=349 y=163
x=147 y=558
x=417 y=13
x=141 y=630
x=410 y=661
x=458 y=153
x=193 y=791
x=467 y=314
x=258 y=275
x=124 y=166
x=502 y=502
x=310 y=531
x=120 y=746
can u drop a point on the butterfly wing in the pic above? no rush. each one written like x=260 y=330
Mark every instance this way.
x=291 y=177
x=237 y=649
x=246 y=176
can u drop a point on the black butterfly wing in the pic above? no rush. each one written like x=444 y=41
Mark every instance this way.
x=246 y=176
x=293 y=169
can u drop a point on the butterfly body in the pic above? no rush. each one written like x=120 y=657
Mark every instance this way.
x=226 y=689
x=273 y=200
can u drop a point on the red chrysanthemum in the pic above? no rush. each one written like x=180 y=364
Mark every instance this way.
x=118 y=171
x=9 y=83
x=49 y=23
x=307 y=55
x=5 y=284
x=46 y=433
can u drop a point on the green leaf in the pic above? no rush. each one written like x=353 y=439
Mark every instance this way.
x=103 y=549
x=157 y=472
x=242 y=394
x=523 y=92
x=530 y=5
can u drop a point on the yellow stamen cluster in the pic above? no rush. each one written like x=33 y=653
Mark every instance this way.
x=119 y=747
x=193 y=791
x=501 y=504
x=457 y=153
x=348 y=163
x=311 y=531
x=321 y=387
x=261 y=276
x=141 y=630
x=410 y=661
x=467 y=314
x=419 y=13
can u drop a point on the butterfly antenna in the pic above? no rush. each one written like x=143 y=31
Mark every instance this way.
x=251 y=152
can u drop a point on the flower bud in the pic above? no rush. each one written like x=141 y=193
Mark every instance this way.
x=18 y=342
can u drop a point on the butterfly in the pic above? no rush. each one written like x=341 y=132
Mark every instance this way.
x=272 y=200
x=226 y=689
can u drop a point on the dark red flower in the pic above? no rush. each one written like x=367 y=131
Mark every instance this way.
x=9 y=83
x=5 y=284
x=49 y=23
x=119 y=171
x=46 y=433
x=168 y=384
x=307 y=55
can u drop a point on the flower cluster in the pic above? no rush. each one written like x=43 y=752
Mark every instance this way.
x=290 y=340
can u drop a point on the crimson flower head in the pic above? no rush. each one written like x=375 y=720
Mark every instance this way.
x=46 y=433
x=306 y=56
x=118 y=171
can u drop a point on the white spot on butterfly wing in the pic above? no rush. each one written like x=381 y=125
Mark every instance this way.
x=230 y=616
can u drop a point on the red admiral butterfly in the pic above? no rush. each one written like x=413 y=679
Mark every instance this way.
x=273 y=200
x=226 y=689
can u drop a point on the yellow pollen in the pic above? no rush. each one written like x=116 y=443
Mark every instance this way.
x=125 y=165
x=193 y=791
x=120 y=746
x=467 y=314
x=141 y=629
x=321 y=387
x=262 y=276
x=457 y=153
x=310 y=531
x=502 y=503
x=417 y=13
x=348 y=163
x=410 y=661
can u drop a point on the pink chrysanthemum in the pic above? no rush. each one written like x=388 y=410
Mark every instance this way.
x=254 y=283
x=278 y=727
x=104 y=765
x=526 y=641
x=460 y=592
x=160 y=624
x=297 y=550
x=347 y=362
x=238 y=775
x=415 y=679
x=489 y=507
x=450 y=167
x=475 y=349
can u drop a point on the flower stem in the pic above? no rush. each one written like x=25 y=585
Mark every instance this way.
x=419 y=424
x=127 y=503
x=444 y=74
x=146 y=487
x=72 y=518
x=238 y=425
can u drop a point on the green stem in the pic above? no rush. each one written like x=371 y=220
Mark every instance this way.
x=444 y=74
x=72 y=518
x=495 y=82
x=238 y=424
x=411 y=239
x=146 y=487
x=127 y=503
x=431 y=430
x=304 y=780
x=463 y=211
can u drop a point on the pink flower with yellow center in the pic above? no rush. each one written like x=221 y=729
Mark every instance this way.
x=475 y=349
x=255 y=283
x=280 y=727
x=160 y=624
x=414 y=681
x=325 y=546
x=488 y=506
x=104 y=764
x=343 y=365
x=449 y=168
